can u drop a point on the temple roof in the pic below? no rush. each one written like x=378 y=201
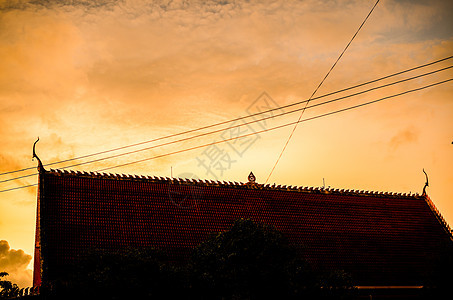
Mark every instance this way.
x=381 y=238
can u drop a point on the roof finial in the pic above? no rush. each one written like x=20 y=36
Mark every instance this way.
x=426 y=183
x=40 y=166
x=252 y=178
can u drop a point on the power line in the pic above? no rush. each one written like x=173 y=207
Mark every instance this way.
x=314 y=92
x=280 y=126
x=260 y=120
x=236 y=119
x=19 y=177
x=19 y=187
x=265 y=130
x=245 y=123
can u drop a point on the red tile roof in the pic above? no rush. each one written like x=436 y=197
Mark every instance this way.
x=380 y=238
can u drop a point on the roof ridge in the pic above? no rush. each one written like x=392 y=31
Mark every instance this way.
x=234 y=184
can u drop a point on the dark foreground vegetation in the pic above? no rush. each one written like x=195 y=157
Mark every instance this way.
x=249 y=261
x=7 y=288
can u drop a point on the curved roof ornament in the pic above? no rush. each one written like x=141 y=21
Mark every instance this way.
x=426 y=183
x=40 y=166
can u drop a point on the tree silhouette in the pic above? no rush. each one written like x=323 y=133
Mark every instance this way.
x=249 y=261
x=255 y=261
x=8 y=289
x=107 y=274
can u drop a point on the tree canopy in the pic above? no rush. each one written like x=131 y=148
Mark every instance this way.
x=251 y=260
x=8 y=289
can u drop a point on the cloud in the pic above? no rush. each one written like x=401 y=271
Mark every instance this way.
x=85 y=71
x=409 y=135
x=77 y=67
x=15 y=263
x=7 y=5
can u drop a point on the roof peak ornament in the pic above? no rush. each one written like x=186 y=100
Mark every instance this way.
x=426 y=184
x=40 y=166
x=251 y=178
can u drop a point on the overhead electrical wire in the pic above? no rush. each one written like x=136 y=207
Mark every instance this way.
x=18 y=187
x=242 y=124
x=317 y=88
x=236 y=119
x=278 y=127
x=265 y=130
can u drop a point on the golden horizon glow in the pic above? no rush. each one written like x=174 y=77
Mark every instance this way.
x=92 y=76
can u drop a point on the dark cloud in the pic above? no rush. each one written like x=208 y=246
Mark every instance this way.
x=15 y=263
x=52 y=4
x=419 y=20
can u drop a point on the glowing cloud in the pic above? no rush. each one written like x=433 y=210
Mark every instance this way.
x=15 y=263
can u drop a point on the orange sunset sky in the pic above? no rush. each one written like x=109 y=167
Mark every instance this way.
x=88 y=76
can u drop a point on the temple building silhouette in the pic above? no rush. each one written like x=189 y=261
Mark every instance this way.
x=382 y=239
